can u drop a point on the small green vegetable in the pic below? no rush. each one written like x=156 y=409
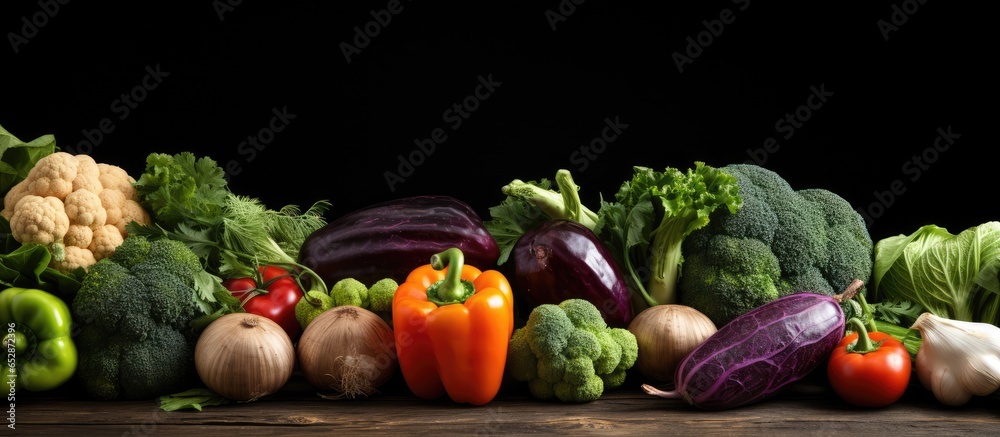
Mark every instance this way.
x=312 y=304
x=569 y=353
x=380 y=295
x=349 y=291
x=134 y=310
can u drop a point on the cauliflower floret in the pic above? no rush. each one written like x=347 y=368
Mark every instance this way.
x=40 y=220
x=79 y=236
x=87 y=175
x=132 y=211
x=106 y=239
x=75 y=206
x=117 y=178
x=73 y=258
x=16 y=193
x=53 y=175
x=84 y=208
x=112 y=201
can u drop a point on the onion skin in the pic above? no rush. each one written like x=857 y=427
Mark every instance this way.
x=244 y=357
x=348 y=349
x=666 y=334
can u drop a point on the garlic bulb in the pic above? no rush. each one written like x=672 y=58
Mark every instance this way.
x=957 y=359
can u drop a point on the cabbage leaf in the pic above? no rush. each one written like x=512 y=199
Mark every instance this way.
x=953 y=276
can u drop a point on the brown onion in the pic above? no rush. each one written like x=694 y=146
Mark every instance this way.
x=666 y=334
x=349 y=350
x=244 y=357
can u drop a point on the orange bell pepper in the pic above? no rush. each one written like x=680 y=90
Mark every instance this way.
x=452 y=323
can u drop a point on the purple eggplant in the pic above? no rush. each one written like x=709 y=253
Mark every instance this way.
x=562 y=259
x=390 y=239
x=760 y=353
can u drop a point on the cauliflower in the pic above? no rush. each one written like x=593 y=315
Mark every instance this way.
x=76 y=207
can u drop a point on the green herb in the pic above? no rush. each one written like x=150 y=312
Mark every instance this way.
x=190 y=201
x=196 y=398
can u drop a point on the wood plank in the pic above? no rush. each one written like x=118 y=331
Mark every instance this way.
x=807 y=408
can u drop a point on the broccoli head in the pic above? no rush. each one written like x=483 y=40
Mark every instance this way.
x=567 y=352
x=781 y=241
x=134 y=311
x=119 y=367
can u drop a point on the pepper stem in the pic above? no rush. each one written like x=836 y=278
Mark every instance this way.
x=451 y=289
x=864 y=344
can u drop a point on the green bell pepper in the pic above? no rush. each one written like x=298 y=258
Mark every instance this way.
x=37 y=339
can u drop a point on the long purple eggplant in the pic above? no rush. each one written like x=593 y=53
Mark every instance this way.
x=562 y=259
x=758 y=354
x=390 y=239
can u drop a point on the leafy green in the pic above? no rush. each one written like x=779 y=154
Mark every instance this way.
x=190 y=201
x=17 y=157
x=195 y=398
x=181 y=188
x=652 y=215
x=27 y=266
x=952 y=276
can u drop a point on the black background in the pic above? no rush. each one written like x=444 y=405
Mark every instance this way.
x=227 y=68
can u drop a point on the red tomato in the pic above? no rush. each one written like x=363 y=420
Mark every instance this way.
x=873 y=379
x=274 y=298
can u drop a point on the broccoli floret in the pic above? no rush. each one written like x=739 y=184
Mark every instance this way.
x=567 y=352
x=134 y=311
x=780 y=241
x=349 y=291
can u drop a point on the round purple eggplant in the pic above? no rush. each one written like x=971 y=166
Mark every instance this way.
x=562 y=259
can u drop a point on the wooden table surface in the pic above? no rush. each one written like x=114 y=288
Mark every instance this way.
x=806 y=408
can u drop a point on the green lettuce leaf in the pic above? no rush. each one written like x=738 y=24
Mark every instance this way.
x=18 y=157
x=953 y=276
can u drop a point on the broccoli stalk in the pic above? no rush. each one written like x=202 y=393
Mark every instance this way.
x=529 y=204
x=665 y=259
x=676 y=203
x=564 y=204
